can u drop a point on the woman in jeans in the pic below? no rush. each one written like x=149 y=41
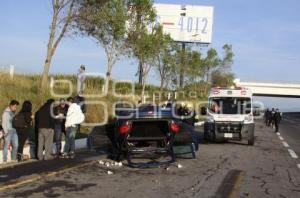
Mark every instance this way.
x=24 y=130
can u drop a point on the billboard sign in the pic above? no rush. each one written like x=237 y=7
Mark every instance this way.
x=186 y=23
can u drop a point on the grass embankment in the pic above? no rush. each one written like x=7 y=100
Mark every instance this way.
x=26 y=87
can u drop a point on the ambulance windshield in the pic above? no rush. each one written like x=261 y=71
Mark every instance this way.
x=229 y=105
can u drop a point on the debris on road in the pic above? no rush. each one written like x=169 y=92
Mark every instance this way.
x=110 y=163
x=110 y=173
x=155 y=181
x=101 y=162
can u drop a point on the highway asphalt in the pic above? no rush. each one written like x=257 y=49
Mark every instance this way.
x=233 y=169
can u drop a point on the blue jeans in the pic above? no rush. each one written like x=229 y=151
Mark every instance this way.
x=11 y=138
x=70 y=139
x=57 y=137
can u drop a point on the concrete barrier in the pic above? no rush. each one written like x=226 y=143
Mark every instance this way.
x=79 y=144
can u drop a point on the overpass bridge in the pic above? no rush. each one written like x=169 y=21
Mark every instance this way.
x=289 y=90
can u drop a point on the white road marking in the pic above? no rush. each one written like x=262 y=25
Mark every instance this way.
x=298 y=166
x=293 y=154
x=285 y=144
x=278 y=133
x=281 y=138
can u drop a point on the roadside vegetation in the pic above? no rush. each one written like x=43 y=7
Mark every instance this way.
x=128 y=28
x=123 y=28
x=26 y=87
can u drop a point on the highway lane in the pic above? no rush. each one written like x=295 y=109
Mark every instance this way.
x=220 y=170
x=290 y=132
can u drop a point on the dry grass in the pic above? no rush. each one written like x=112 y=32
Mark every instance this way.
x=26 y=87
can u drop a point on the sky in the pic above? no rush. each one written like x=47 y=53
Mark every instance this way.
x=264 y=35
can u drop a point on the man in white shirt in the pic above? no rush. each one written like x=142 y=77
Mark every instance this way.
x=73 y=119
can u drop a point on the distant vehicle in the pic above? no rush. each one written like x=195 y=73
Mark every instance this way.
x=149 y=131
x=257 y=110
x=230 y=115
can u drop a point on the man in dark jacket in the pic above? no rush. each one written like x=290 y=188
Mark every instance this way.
x=277 y=119
x=272 y=118
x=45 y=125
x=60 y=112
x=267 y=115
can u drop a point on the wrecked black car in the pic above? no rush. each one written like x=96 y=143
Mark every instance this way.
x=146 y=136
x=150 y=132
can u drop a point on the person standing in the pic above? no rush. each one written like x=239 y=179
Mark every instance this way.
x=277 y=119
x=45 y=124
x=267 y=115
x=74 y=117
x=23 y=123
x=81 y=79
x=272 y=117
x=10 y=133
x=80 y=100
x=60 y=112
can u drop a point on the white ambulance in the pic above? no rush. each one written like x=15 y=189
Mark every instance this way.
x=229 y=115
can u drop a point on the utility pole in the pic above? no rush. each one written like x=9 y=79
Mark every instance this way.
x=181 y=75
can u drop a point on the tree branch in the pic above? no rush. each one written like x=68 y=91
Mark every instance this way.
x=65 y=27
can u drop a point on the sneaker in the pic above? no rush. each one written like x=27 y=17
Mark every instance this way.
x=49 y=158
x=65 y=155
x=20 y=157
x=72 y=155
x=56 y=155
x=13 y=161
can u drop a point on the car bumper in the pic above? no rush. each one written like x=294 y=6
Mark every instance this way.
x=245 y=133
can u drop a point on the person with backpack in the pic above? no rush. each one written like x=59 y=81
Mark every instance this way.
x=10 y=133
x=23 y=123
x=60 y=112
x=45 y=126
x=74 y=117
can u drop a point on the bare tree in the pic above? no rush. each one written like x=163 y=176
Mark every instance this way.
x=63 y=14
x=106 y=23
